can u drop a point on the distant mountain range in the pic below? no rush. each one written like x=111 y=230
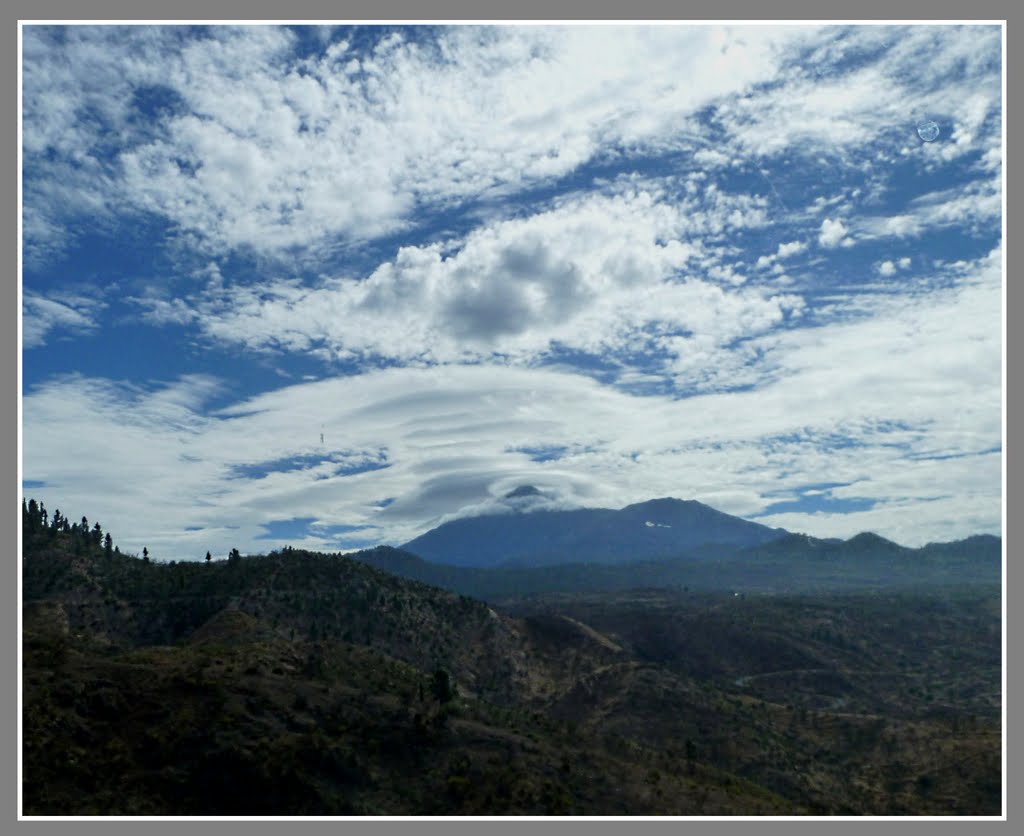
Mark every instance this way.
x=793 y=563
x=653 y=530
x=666 y=543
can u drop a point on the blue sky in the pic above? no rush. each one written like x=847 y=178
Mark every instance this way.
x=331 y=286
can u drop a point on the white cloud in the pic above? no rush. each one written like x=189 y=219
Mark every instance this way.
x=266 y=151
x=252 y=147
x=975 y=208
x=503 y=503
x=822 y=105
x=594 y=274
x=711 y=158
x=41 y=316
x=890 y=268
x=784 y=251
x=903 y=404
x=832 y=233
x=247 y=149
x=792 y=248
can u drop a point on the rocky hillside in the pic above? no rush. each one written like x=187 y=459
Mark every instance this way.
x=299 y=683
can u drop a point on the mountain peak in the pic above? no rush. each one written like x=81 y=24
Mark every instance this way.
x=664 y=501
x=656 y=529
x=869 y=538
x=523 y=490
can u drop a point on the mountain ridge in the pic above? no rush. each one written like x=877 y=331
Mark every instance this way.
x=792 y=563
x=657 y=528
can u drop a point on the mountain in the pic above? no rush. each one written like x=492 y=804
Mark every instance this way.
x=523 y=490
x=657 y=529
x=791 y=563
x=979 y=555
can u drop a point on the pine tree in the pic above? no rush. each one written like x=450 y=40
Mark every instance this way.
x=442 y=687
x=30 y=515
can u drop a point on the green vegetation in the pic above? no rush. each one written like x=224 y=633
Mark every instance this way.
x=298 y=683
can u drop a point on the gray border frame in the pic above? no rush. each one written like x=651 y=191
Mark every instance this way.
x=15 y=10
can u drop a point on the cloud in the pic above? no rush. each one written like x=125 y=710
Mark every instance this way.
x=832 y=233
x=568 y=236
x=597 y=274
x=503 y=503
x=832 y=100
x=784 y=251
x=237 y=141
x=82 y=88
x=912 y=423
x=231 y=135
x=975 y=208
x=711 y=158
x=890 y=268
x=42 y=316
x=792 y=248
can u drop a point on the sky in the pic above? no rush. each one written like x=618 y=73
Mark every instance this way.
x=330 y=286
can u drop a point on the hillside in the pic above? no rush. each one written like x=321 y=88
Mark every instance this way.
x=300 y=683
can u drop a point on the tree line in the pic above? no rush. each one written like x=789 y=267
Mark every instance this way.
x=37 y=522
